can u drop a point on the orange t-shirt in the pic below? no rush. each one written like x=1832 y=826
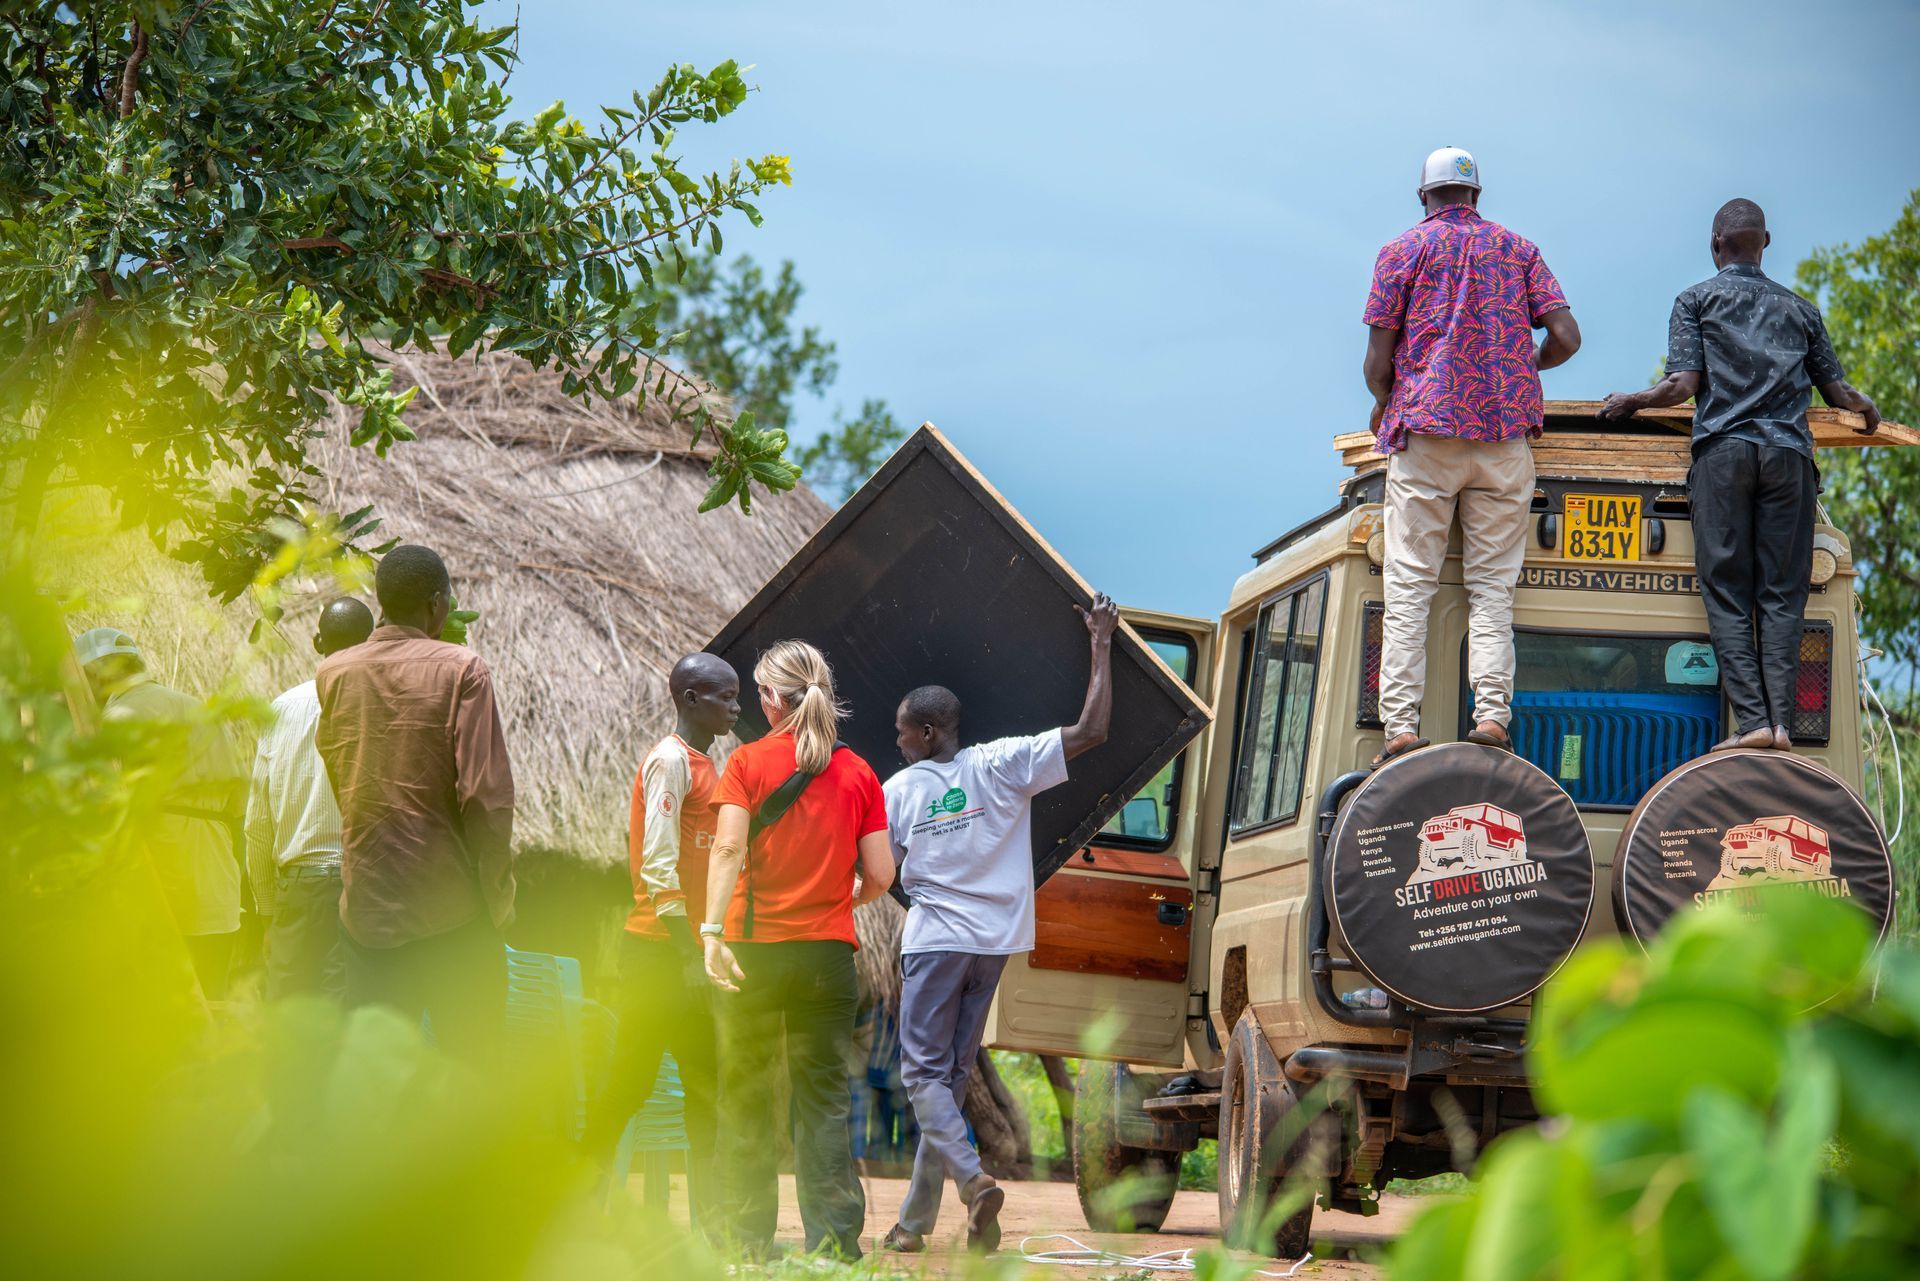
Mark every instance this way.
x=802 y=867
x=669 y=834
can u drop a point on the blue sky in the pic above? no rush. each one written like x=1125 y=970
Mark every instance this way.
x=1118 y=252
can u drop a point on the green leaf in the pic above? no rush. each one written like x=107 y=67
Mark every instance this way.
x=1763 y=1191
x=722 y=489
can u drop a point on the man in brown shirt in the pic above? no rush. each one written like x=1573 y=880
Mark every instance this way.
x=414 y=748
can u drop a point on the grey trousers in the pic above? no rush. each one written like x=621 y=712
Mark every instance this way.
x=304 y=955
x=943 y=1013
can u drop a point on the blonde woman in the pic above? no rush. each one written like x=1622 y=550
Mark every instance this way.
x=802 y=838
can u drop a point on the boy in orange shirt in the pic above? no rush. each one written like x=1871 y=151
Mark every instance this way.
x=666 y=1003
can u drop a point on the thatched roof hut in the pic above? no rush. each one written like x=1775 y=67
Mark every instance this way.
x=572 y=529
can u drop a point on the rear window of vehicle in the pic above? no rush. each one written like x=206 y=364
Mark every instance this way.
x=1606 y=715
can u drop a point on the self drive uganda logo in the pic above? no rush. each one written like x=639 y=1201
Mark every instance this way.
x=1470 y=849
x=1783 y=850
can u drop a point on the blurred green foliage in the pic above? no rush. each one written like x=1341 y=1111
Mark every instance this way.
x=1870 y=293
x=840 y=461
x=1744 y=1102
x=735 y=329
x=1884 y=786
x=211 y=213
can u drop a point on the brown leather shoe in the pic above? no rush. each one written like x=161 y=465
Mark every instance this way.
x=983 y=1198
x=900 y=1241
x=1762 y=737
x=1782 y=741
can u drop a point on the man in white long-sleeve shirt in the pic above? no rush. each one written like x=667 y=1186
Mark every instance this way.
x=665 y=1003
x=293 y=830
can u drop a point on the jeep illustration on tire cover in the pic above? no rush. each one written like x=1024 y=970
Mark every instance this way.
x=1734 y=827
x=1460 y=877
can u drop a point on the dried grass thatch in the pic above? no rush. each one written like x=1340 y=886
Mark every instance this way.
x=572 y=529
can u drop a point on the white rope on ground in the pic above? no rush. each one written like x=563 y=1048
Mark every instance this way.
x=1083 y=1255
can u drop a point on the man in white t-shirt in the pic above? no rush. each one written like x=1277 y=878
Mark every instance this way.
x=961 y=820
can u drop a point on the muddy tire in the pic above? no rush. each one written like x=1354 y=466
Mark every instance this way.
x=1122 y=1189
x=1268 y=1150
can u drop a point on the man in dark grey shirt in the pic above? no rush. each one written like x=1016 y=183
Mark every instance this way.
x=1751 y=351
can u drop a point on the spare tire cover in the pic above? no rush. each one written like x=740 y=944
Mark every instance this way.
x=1460 y=876
x=1729 y=826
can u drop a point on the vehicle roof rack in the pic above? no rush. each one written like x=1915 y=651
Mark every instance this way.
x=1652 y=447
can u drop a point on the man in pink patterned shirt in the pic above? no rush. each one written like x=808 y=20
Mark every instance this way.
x=1455 y=378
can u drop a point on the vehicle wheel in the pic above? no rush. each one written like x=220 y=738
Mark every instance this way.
x=1122 y=1189
x=1262 y=1159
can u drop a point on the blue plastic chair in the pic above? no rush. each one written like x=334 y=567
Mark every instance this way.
x=547 y=1007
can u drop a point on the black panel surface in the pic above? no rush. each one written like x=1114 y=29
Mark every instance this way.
x=1460 y=877
x=927 y=577
x=1737 y=826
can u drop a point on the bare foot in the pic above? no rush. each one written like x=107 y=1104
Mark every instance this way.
x=1782 y=741
x=1762 y=737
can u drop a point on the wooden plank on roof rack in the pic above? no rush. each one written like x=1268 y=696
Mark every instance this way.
x=1832 y=428
x=1616 y=453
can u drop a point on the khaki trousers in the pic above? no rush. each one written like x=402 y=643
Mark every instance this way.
x=1492 y=487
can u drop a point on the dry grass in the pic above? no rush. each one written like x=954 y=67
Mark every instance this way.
x=572 y=529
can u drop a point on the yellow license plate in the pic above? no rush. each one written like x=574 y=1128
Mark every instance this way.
x=1603 y=527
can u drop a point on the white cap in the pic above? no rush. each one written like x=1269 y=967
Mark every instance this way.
x=90 y=646
x=1449 y=167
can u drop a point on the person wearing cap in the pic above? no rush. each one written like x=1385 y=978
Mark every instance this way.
x=1749 y=352
x=293 y=829
x=191 y=840
x=1455 y=376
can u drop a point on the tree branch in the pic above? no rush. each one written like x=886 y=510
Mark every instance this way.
x=130 y=78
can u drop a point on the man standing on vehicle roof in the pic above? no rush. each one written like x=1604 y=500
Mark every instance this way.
x=961 y=821
x=1752 y=351
x=1455 y=378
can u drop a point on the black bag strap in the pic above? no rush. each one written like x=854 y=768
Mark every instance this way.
x=771 y=811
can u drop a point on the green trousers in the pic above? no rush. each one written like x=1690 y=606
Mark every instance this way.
x=799 y=997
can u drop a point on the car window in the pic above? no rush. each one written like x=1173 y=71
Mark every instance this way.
x=1277 y=715
x=1607 y=714
x=1147 y=819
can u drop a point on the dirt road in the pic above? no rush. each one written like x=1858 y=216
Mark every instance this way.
x=1341 y=1241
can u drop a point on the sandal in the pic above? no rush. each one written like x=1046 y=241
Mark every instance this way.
x=1502 y=740
x=1389 y=752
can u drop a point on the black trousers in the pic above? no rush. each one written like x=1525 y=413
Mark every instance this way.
x=304 y=953
x=457 y=979
x=800 y=996
x=1753 y=513
x=666 y=1005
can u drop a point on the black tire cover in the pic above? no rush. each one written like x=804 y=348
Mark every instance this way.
x=1730 y=824
x=1460 y=876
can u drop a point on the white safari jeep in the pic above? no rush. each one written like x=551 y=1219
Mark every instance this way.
x=1187 y=956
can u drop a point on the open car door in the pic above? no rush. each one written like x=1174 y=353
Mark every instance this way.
x=1120 y=937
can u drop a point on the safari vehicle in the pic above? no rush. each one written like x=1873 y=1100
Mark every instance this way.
x=1186 y=953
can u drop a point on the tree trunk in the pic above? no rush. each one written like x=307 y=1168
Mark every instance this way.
x=1062 y=1082
x=999 y=1125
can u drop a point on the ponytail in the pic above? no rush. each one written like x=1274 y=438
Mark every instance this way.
x=799 y=677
